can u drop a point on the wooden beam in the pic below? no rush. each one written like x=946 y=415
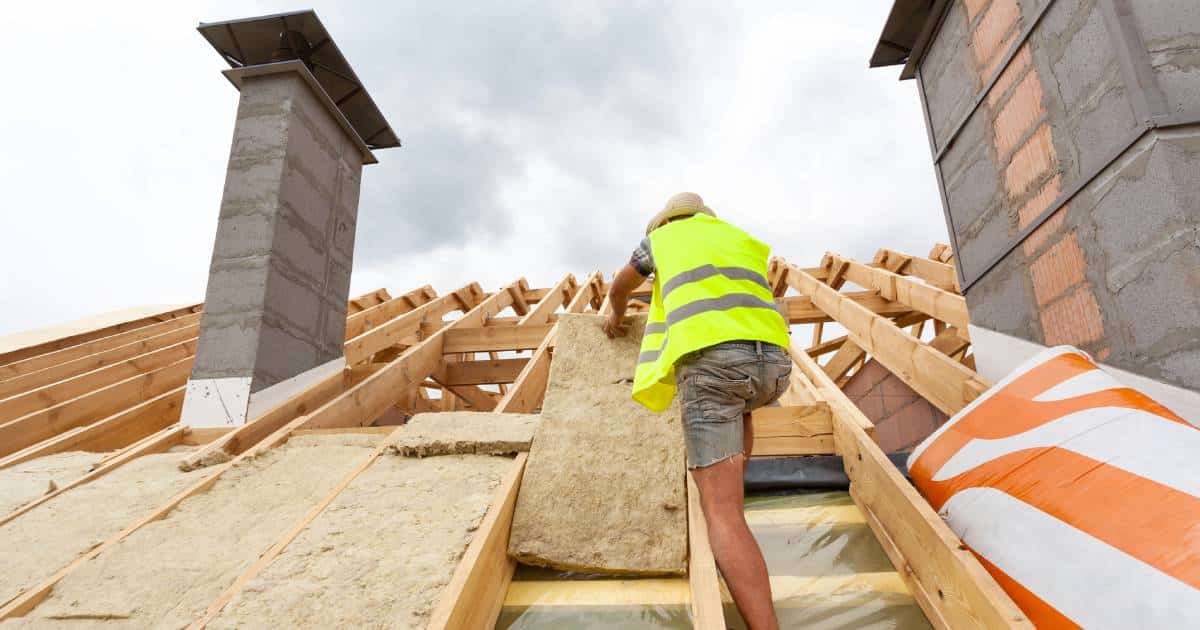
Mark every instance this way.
x=936 y=273
x=793 y=430
x=847 y=356
x=941 y=305
x=46 y=423
x=395 y=330
x=53 y=345
x=949 y=584
x=942 y=381
x=364 y=320
x=113 y=432
x=475 y=594
x=949 y=342
x=362 y=404
x=519 y=305
x=484 y=339
x=799 y=309
x=529 y=388
x=825 y=347
x=249 y=434
x=68 y=369
x=484 y=372
x=72 y=353
x=559 y=294
x=705 y=585
x=76 y=386
x=367 y=300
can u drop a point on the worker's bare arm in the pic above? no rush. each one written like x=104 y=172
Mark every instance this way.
x=623 y=285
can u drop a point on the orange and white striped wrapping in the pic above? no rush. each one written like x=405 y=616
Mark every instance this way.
x=1081 y=496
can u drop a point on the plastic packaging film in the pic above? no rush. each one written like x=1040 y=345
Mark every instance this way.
x=827 y=572
x=1081 y=496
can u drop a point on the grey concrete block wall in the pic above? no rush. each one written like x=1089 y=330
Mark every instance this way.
x=1114 y=270
x=276 y=300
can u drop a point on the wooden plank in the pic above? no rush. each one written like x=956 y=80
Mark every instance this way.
x=942 y=381
x=56 y=373
x=72 y=353
x=113 y=432
x=156 y=443
x=473 y=597
x=941 y=305
x=392 y=332
x=799 y=309
x=362 y=321
x=484 y=372
x=793 y=430
x=53 y=345
x=482 y=339
x=46 y=423
x=966 y=595
x=703 y=581
x=76 y=386
x=273 y=552
x=936 y=273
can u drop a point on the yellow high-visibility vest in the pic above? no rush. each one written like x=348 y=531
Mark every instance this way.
x=710 y=286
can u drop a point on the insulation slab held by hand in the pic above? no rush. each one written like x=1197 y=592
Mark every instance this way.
x=603 y=490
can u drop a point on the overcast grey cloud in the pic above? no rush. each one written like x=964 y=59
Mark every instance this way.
x=538 y=139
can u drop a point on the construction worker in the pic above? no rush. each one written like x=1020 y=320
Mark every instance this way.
x=714 y=333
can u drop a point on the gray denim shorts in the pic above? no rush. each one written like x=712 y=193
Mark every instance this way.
x=720 y=383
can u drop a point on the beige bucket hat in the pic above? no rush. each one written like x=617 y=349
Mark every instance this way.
x=685 y=204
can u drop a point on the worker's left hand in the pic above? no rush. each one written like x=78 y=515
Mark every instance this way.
x=615 y=326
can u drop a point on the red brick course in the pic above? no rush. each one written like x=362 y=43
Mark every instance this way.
x=902 y=418
x=1074 y=320
x=1060 y=268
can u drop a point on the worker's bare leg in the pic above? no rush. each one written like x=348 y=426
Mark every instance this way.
x=734 y=548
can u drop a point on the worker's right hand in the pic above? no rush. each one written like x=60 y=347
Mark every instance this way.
x=615 y=326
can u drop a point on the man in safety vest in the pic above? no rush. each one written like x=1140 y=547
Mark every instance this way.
x=714 y=333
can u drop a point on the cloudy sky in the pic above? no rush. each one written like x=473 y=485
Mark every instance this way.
x=538 y=139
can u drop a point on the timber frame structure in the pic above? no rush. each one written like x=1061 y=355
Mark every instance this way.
x=119 y=390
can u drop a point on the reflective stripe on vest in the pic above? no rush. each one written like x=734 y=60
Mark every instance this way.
x=710 y=286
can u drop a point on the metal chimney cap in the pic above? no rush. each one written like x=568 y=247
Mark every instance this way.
x=257 y=41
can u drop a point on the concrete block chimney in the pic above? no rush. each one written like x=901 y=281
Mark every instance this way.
x=275 y=308
x=1066 y=141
